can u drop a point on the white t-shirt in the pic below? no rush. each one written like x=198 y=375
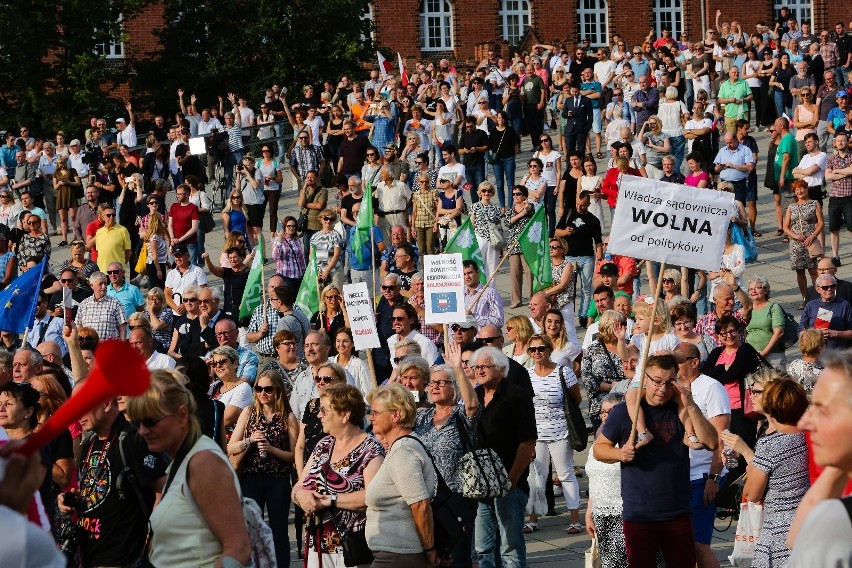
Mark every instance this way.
x=316 y=129
x=160 y=361
x=179 y=282
x=549 y=172
x=820 y=160
x=666 y=343
x=713 y=400
x=455 y=171
x=126 y=136
x=246 y=117
x=693 y=124
x=604 y=69
x=548 y=401
x=428 y=349
x=239 y=396
x=750 y=68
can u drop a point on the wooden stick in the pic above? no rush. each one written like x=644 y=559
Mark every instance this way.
x=263 y=277
x=640 y=372
x=372 y=267
x=487 y=282
x=372 y=368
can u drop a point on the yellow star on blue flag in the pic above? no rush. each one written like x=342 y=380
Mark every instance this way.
x=19 y=300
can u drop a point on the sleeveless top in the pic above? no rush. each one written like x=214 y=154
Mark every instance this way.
x=277 y=435
x=566 y=296
x=181 y=538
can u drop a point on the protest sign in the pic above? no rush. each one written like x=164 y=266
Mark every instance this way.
x=671 y=223
x=197 y=146
x=443 y=288
x=359 y=306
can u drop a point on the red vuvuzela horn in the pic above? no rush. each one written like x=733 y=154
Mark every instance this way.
x=119 y=370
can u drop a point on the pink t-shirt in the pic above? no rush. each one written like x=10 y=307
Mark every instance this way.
x=693 y=180
x=733 y=387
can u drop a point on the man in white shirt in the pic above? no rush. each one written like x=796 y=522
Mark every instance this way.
x=75 y=159
x=207 y=123
x=812 y=166
x=126 y=132
x=142 y=341
x=246 y=114
x=181 y=277
x=706 y=470
x=428 y=350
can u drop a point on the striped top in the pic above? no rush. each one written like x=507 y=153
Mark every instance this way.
x=548 y=401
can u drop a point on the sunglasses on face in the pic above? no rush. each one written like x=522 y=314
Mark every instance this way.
x=190 y=300
x=388 y=287
x=537 y=348
x=268 y=390
x=323 y=379
x=220 y=362
x=112 y=272
x=146 y=422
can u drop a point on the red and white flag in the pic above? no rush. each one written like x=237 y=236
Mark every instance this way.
x=384 y=66
x=402 y=75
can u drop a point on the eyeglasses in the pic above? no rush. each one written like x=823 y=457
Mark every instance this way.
x=36 y=222
x=333 y=297
x=236 y=198
x=755 y=392
x=418 y=162
x=109 y=215
x=537 y=348
x=517 y=194
x=660 y=384
x=290 y=226
x=728 y=333
x=219 y=362
x=487 y=191
x=224 y=333
x=266 y=151
x=303 y=137
x=371 y=154
x=489 y=339
x=206 y=301
x=323 y=379
x=111 y=272
x=190 y=300
x=399 y=318
x=268 y=390
x=456 y=327
x=439 y=383
x=531 y=166
x=146 y=422
x=388 y=287
x=545 y=141
x=371 y=413
x=67 y=280
x=478 y=368
x=829 y=287
x=668 y=280
x=555 y=247
x=152 y=203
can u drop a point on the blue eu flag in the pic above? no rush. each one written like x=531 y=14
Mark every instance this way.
x=18 y=300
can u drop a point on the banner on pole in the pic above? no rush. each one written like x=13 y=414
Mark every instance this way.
x=443 y=288
x=671 y=223
x=359 y=306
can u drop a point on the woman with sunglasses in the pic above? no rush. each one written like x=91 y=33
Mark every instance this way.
x=485 y=217
x=263 y=119
x=805 y=117
x=518 y=333
x=411 y=153
x=202 y=497
x=269 y=173
x=289 y=254
x=34 y=243
x=186 y=334
x=516 y=218
x=567 y=194
x=551 y=171
x=249 y=185
x=334 y=480
x=330 y=317
x=65 y=181
x=156 y=238
x=327 y=245
x=371 y=168
x=564 y=284
x=227 y=387
x=9 y=210
x=234 y=240
x=235 y=215
x=534 y=182
x=550 y=382
x=264 y=442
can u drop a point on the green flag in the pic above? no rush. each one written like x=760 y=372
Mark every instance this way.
x=364 y=223
x=253 y=293
x=308 y=297
x=464 y=241
x=534 y=246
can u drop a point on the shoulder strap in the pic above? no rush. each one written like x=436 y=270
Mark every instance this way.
x=467 y=443
x=847 y=503
x=434 y=466
x=128 y=475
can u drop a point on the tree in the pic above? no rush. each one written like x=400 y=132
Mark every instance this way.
x=246 y=46
x=54 y=68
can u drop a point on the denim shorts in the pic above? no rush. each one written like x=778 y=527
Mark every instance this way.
x=703 y=516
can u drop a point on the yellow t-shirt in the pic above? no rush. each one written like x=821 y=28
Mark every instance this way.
x=111 y=242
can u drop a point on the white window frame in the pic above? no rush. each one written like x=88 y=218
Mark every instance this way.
x=597 y=26
x=368 y=15
x=673 y=12
x=113 y=49
x=801 y=10
x=429 y=19
x=514 y=15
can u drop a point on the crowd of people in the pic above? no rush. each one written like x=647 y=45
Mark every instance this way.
x=278 y=406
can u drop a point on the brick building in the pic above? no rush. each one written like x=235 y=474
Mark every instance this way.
x=454 y=28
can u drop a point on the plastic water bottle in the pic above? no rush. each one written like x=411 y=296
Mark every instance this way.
x=732 y=458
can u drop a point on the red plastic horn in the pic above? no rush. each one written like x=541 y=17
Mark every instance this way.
x=119 y=370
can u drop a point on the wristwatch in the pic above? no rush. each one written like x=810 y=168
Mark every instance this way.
x=717 y=477
x=333 y=499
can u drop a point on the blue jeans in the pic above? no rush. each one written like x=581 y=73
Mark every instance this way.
x=840 y=75
x=780 y=108
x=585 y=269
x=550 y=209
x=506 y=515
x=678 y=147
x=194 y=254
x=279 y=132
x=273 y=495
x=475 y=176
x=504 y=167
x=233 y=159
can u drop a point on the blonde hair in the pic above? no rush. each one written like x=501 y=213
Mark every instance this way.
x=523 y=328
x=325 y=292
x=810 y=342
x=661 y=320
x=395 y=397
x=561 y=340
x=605 y=323
x=484 y=185
x=280 y=402
x=764 y=376
x=156 y=226
x=228 y=207
x=164 y=397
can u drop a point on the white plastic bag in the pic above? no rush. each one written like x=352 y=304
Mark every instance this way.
x=537 y=502
x=592 y=556
x=748 y=531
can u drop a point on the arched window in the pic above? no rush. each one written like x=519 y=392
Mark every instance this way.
x=592 y=22
x=436 y=25
x=514 y=20
x=801 y=10
x=668 y=14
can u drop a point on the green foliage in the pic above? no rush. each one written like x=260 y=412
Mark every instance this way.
x=246 y=46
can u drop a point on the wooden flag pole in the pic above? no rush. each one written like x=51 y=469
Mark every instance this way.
x=487 y=282
x=640 y=372
x=372 y=368
x=263 y=277
x=372 y=269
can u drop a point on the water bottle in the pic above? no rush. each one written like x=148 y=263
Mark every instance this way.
x=732 y=458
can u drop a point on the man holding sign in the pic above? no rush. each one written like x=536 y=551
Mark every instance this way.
x=655 y=480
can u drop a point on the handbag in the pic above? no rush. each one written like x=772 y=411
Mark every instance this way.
x=206 y=222
x=791 y=330
x=495 y=236
x=483 y=475
x=577 y=430
x=748 y=531
x=355 y=549
x=302 y=221
x=815 y=249
x=142 y=260
x=453 y=514
x=492 y=157
x=593 y=556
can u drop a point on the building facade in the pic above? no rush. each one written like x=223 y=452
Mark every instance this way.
x=455 y=28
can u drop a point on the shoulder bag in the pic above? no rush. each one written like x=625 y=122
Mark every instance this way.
x=578 y=433
x=492 y=158
x=302 y=222
x=453 y=514
x=483 y=475
x=354 y=543
x=815 y=249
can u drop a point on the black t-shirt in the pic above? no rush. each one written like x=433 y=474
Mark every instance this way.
x=353 y=153
x=160 y=133
x=347 y=203
x=275 y=105
x=192 y=167
x=587 y=232
x=47 y=281
x=475 y=139
x=115 y=523
x=569 y=196
x=404 y=277
x=655 y=485
x=507 y=422
x=235 y=284
x=503 y=144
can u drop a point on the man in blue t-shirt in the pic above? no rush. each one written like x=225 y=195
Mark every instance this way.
x=655 y=483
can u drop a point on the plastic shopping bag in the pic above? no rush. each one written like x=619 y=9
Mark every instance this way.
x=537 y=502
x=748 y=531
x=593 y=557
x=743 y=237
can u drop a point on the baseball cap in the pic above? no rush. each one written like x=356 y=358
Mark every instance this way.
x=608 y=269
x=75 y=142
x=468 y=323
x=179 y=250
x=390 y=146
x=119 y=119
x=842 y=94
x=446 y=177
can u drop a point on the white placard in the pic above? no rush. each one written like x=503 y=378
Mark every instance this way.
x=197 y=146
x=671 y=223
x=359 y=306
x=443 y=288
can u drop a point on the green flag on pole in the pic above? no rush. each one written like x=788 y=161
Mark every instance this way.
x=253 y=293
x=364 y=223
x=534 y=246
x=464 y=241
x=308 y=297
